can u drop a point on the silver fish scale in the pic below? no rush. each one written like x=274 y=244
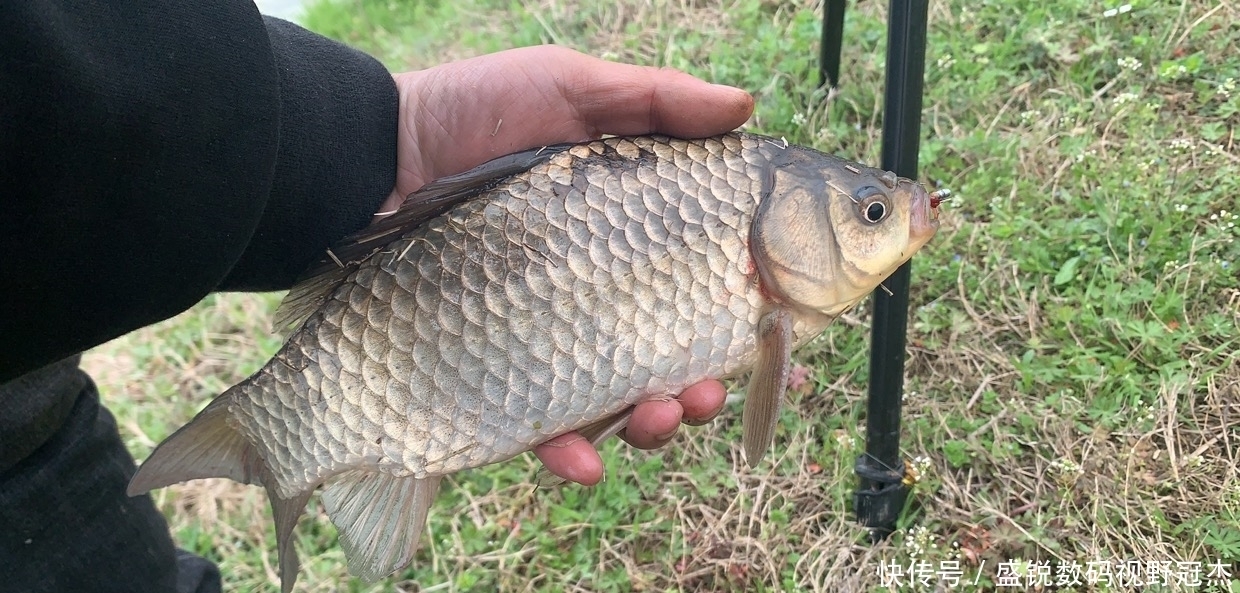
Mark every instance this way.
x=571 y=292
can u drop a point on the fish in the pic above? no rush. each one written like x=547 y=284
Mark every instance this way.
x=546 y=291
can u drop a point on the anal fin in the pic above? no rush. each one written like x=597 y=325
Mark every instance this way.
x=380 y=518
x=767 y=384
x=596 y=433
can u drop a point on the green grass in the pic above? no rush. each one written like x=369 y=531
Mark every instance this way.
x=1072 y=384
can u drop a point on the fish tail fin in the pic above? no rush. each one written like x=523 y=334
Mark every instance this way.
x=207 y=447
x=380 y=518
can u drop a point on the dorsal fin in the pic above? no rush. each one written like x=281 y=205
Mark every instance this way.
x=435 y=198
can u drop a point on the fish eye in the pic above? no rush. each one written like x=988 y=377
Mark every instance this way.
x=874 y=210
x=872 y=203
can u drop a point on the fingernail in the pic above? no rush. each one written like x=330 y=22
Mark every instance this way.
x=665 y=437
x=696 y=422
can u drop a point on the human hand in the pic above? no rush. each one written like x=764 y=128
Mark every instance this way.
x=459 y=115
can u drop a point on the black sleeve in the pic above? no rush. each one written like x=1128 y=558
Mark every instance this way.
x=154 y=151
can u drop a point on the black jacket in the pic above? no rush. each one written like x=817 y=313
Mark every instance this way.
x=152 y=152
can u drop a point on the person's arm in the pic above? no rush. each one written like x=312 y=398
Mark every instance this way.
x=152 y=152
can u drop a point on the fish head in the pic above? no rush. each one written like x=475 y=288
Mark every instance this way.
x=829 y=231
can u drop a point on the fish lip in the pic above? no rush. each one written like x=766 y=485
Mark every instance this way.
x=924 y=222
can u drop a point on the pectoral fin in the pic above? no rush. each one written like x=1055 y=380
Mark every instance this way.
x=380 y=519
x=767 y=383
x=596 y=433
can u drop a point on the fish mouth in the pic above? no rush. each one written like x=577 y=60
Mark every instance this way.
x=924 y=222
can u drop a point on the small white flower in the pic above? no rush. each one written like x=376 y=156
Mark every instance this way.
x=1180 y=145
x=1116 y=11
x=1129 y=63
x=1150 y=412
x=919 y=540
x=1173 y=72
x=1066 y=466
x=1226 y=88
x=921 y=464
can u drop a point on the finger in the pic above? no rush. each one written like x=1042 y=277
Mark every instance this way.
x=508 y=101
x=621 y=99
x=702 y=402
x=571 y=457
x=653 y=424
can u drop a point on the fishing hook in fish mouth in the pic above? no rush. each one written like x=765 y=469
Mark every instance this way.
x=939 y=196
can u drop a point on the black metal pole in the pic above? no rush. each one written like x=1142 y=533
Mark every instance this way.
x=881 y=493
x=831 y=44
